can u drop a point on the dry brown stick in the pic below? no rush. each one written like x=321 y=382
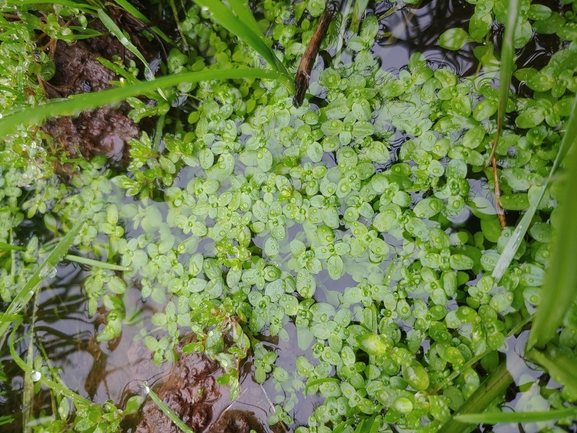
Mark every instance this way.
x=307 y=62
x=500 y=211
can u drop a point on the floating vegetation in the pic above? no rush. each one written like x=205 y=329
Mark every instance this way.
x=397 y=231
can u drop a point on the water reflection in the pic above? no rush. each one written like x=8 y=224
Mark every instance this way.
x=416 y=30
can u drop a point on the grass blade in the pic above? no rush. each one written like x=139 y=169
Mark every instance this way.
x=519 y=233
x=54 y=385
x=490 y=389
x=6 y=419
x=507 y=62
x=560 y=285
x=166 y=410
x=122 y=38
x=506 y=71
x=89 y=101
x=71 y=4
x=516 y=417
x=5 y=247
x=560 y=365
x=243 y=12
x=28 y=388
x=224 y=16
x=96 y=263
x=137 y=14
x=29 y=289
x=341 y=427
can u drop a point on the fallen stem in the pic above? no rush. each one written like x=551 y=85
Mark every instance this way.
x=303 y=74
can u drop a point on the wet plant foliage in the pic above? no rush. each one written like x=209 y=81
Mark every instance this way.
x=365 y=218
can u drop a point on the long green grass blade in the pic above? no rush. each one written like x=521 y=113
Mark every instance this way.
x=89 y=101
x=516 y=417
x=6 y=419
x=560 y=285
x=243 y=12
x=137 y=14
x=507 y=63
x=471 y=362
x=341 y=427
x=72 y=4
x=490 y=389
x=122 y=38
x=28 y=388
x=29 y=289
x=5 y=246
x=96 y=263
x=519 y=233
x=55 y=385
x=560 y=364
x=224 y=16
x=166 y=410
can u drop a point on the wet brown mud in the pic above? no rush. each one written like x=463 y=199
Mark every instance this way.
x=103 y=131
x=192 y=393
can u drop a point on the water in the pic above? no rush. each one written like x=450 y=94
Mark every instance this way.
x=418 y=29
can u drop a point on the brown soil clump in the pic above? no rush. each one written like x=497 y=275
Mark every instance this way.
x=191 y=392
x=104 y=131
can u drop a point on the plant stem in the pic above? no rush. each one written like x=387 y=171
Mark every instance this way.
x=489 y=390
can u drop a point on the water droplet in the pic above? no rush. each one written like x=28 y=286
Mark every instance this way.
x=146 y=387
x=35 y=376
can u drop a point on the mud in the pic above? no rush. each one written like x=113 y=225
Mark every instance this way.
x=192 y=393
x=106 y=130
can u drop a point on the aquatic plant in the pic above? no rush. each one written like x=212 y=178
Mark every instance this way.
x=249 y=215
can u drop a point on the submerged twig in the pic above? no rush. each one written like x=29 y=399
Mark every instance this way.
x=498 y=208
x=506 y=71
x=307 y=62
x=282 y=424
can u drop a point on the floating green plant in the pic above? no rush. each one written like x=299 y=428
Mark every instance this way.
x=245 y=220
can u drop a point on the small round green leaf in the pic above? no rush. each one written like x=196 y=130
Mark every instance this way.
x=454 y=39
x=485 y=109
